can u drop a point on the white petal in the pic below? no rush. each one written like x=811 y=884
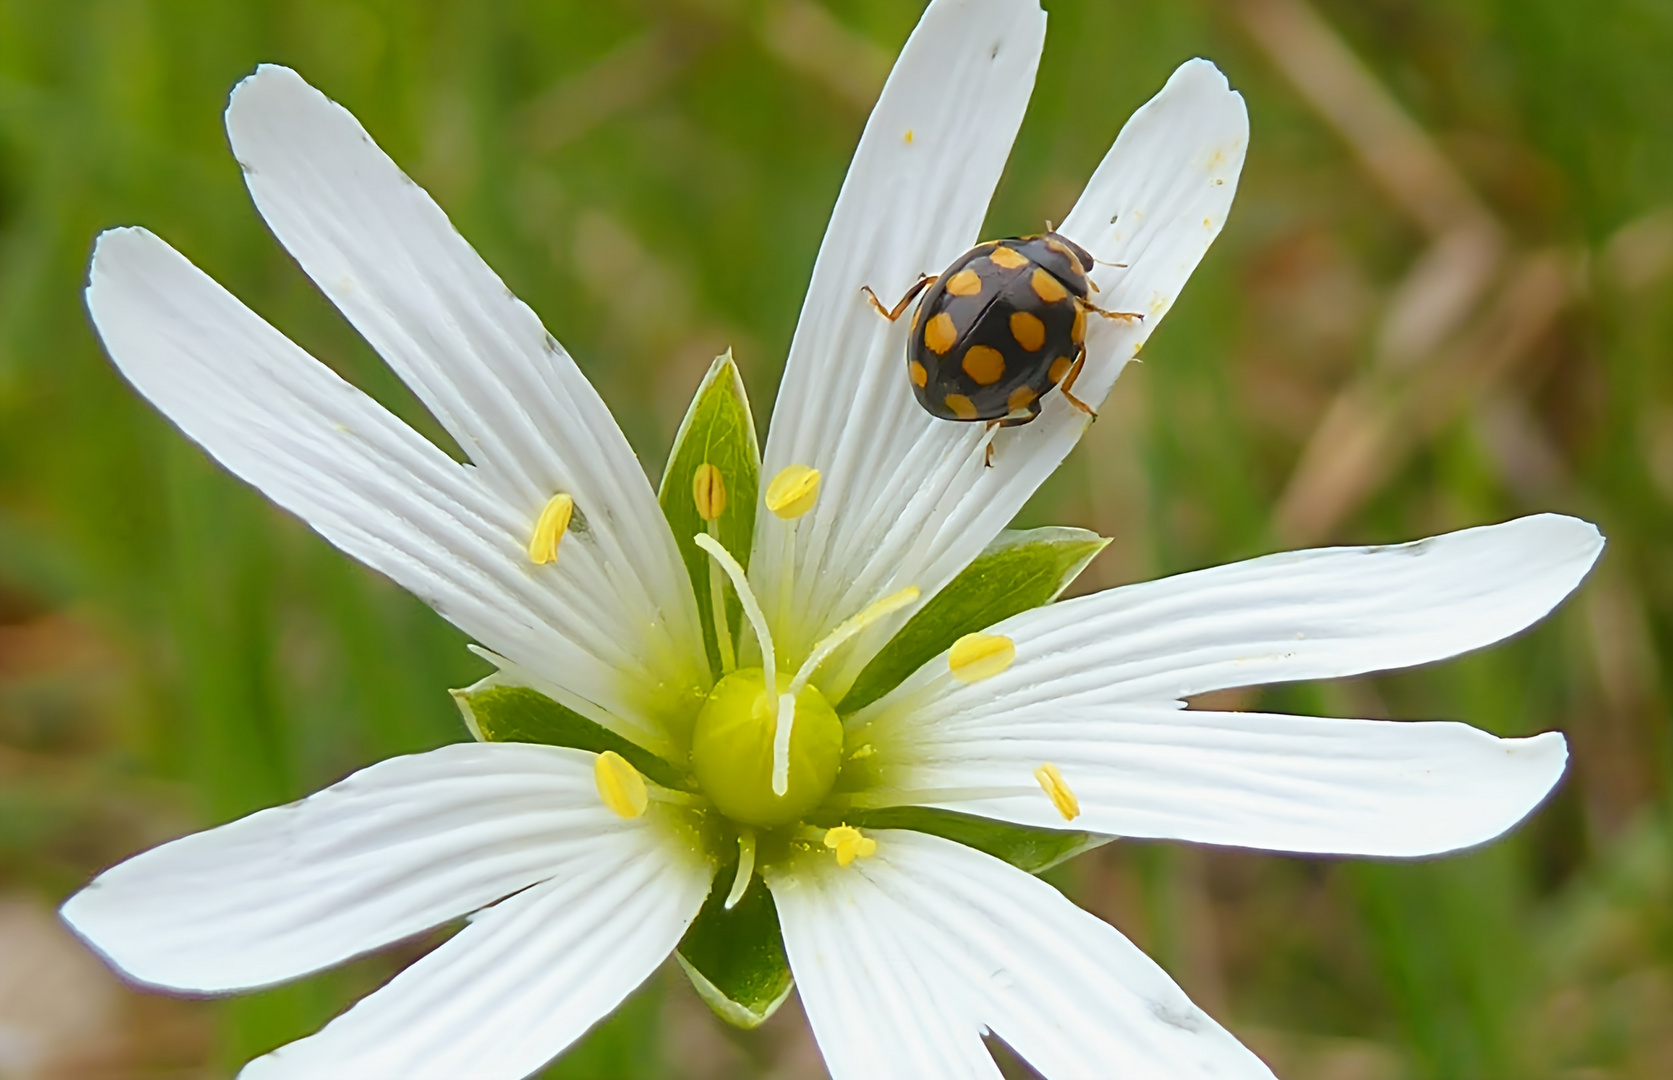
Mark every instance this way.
x=914 y=200
x=907 y=498
x=523 y=981
x=287 y=424
x=876 y=1012
x=1156 y=203
x=1280 y=783
x=387 y=256
x=1318 y=614
x=1000 y=949
x=1095 y=686
x=393 y=850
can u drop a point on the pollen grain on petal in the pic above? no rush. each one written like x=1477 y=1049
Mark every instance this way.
x=793 y=491
x=978 y=656
x=1057 y=789
x=708 y=491
x=849 y=844
x=620 y=786
x=549 y=529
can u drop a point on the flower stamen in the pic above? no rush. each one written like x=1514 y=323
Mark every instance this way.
x=1057 y=789
x=746 y=868
x=975 y=657
x=708 y=492
x=549 y=529
x=620 y=786
x=793 y=491
x=849 y=844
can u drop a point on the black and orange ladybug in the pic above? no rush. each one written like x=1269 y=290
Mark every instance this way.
x=999 y=328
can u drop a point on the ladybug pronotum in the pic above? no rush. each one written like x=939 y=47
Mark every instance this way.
x=999 y=328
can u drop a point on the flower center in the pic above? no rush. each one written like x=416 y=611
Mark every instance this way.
x=733 y=744
x=767 y=745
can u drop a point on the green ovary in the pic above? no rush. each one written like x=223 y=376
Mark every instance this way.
x=732 y=750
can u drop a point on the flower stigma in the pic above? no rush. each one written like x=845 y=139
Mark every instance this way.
x=849 y=844
x=549 y=529
x=746 y=868
x=620 y=786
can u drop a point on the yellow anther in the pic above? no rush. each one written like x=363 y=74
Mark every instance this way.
x=975 y=657
x=1057 y=789
x=549 y=529
x=849 y=844
x=793 y=491
x=863 y=752
x=620 y=785
x=708 y=491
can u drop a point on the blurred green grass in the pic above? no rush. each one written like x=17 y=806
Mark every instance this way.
x=653 y=176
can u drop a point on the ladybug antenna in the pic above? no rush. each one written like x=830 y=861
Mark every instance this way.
x=1102 y=262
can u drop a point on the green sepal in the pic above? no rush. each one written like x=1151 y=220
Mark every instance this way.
x=1023 y=846
x=1021 y=569
x=735 y=959
x=497 y=713
x=719 y=429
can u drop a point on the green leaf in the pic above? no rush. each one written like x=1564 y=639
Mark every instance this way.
x=718 y=429
x=736 y=958
x=1024 y=847
x=1021 y=569
x=498 y=713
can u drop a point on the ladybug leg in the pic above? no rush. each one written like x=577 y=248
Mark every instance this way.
x=1026 y=415
x=1124 y=316
x=993 y=425
x=924 y=282
x=1068 y=384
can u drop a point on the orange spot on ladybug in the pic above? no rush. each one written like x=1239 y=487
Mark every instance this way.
x=1046 y=287
x=1059 y=368
x=961 y=406
x=1021 y=398
x=1029 y=331
x=964 y=283
x=940 y=335
x=1077 y=332
x=916 y=372
x=985 y=365
x=1009 y=259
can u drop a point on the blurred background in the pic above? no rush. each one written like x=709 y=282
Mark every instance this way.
x=1445 y=298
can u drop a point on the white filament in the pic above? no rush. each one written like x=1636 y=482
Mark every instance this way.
x=782 y=726
x=786 y=717
x=746 y=597
x=746 y=868
x=847 y=629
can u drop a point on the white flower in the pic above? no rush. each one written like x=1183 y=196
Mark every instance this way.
x=550 y=548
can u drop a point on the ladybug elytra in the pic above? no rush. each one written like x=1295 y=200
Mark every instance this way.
x=999 y=328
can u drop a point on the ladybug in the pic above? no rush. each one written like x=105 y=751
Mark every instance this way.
x=999 y=328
